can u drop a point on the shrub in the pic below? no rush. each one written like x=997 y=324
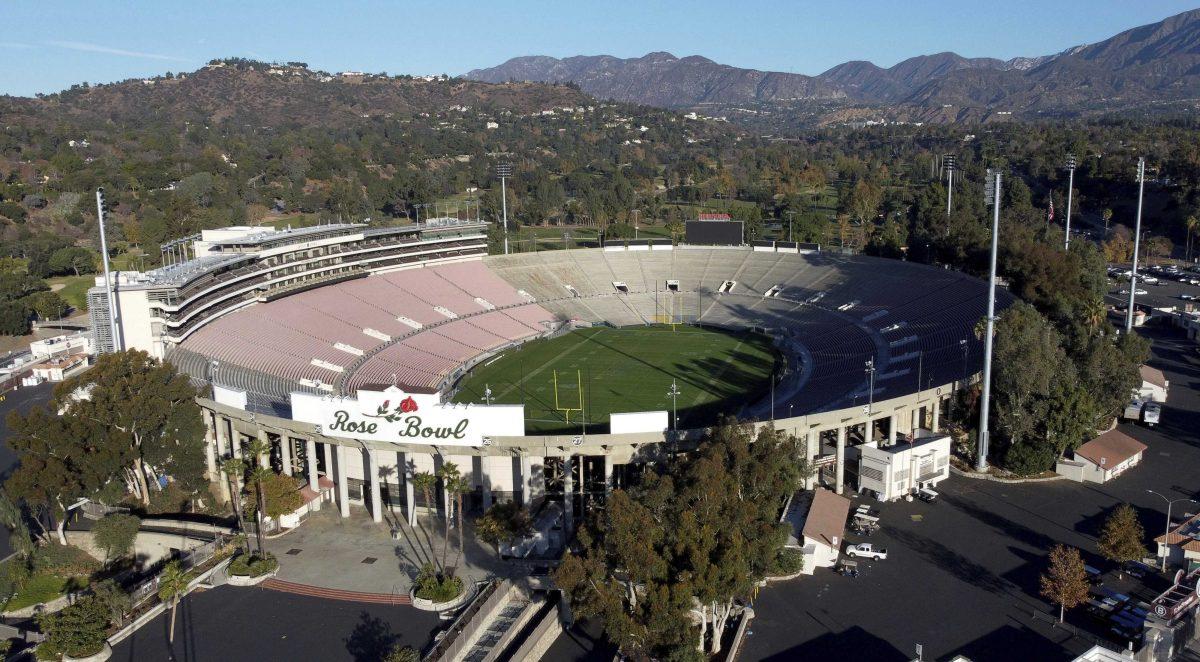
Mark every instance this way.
x=250 y=565
x=436 y=587
x=63 y=560
x=115 y=534
x=788 y=561
x=79 y=630
x=402 y=654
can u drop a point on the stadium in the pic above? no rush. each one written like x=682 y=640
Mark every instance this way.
x=363 y=355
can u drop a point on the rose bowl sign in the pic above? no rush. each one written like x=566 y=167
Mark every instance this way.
x=407 y=418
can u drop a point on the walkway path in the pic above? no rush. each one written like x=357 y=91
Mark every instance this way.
x=358 y=556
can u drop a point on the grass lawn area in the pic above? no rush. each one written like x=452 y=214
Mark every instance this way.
x=74 y=289
x=626 y=370
x=40 y=588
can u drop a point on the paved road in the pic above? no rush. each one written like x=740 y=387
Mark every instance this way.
x=230 y=623
x=20 y=400
x=961 y=576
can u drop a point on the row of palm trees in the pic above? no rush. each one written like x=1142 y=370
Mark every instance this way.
x=455 y=484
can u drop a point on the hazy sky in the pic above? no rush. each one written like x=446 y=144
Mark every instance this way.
x=48 y=45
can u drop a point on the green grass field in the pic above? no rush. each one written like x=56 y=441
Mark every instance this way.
x=626 y=370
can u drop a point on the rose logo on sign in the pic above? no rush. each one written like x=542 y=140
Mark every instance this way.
x=406 y=406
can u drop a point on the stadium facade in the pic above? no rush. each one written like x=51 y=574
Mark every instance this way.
x=341 y=345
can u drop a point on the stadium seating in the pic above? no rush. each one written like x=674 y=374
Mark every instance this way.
x=915 y=322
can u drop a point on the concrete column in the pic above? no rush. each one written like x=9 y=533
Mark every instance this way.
x=526 y=486
x=568 y=494
x=485 y=481
x=286 y=450
x=327 y=449
x=893 y=422
x=608 y=474
x=310 y=450
x=916 y=420
x=410 y=497
x=937 y=412
x=373 y=476
x=210 y=448
x=841 y=458
x=343 y=482
x=812 y=443
x=264 y=460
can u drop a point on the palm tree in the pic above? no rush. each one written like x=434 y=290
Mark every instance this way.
x=1191 y=223
x=234 y=469
x=259 y=476
x=424 y=481
x=449 y=473
x=458 y=487
x=172 y=584
x=1107 y=215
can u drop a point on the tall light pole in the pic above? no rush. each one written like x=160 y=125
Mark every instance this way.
x=635 y=213
x=487 y=394
x=1170 y=502
x=1137 y=240
x=108 y=284
x=1070 y=190
x=674 y=393
x=504 y=171
x=993 y=196
x=948 y=163
x=869 y=428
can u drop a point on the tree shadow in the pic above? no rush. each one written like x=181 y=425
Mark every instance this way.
x=371 y=639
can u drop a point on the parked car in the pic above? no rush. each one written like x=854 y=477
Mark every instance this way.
x=1151 y=412
x=1136 y=569
x=867 y=551
x=1189 y=297
x=1133 y=410
x=927 y=495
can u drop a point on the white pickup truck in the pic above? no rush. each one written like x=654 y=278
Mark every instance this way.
x=866 y=550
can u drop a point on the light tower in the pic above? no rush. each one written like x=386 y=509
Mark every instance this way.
x=948 y=162
x=108 y=284
x=1137 y=239
x=1070 y=190
x=674 y=393
x=504 y=171
x=992 y=192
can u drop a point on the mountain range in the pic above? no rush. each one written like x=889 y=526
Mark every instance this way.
x=1151 y=65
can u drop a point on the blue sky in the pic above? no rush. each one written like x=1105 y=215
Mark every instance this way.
x=47 y=46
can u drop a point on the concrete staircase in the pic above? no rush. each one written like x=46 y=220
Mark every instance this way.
x=336 y=594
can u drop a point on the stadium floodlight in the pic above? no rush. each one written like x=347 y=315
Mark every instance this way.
x=981 y=463
x=949 y=162
x=1137 y=237
x=487 y=394
x=108 y=284
x=674 y=393
x=504 y=171
x=870 y=370
x=1070 y=190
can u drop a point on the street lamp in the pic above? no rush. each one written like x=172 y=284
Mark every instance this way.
x=1070 y=190
x=1137 y=238
x=1166 y=538
x=504 y=171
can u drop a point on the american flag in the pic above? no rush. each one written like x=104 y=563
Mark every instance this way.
x=1050 y=214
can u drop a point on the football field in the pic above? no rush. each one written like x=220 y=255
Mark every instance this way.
x=602 y=370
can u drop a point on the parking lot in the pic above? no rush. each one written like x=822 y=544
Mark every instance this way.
x=962 y=573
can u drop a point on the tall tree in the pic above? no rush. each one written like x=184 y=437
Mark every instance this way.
x=172 y=584
x=1122 y=539
x=145 y=406
x=449 y=475
x=1065 y=580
